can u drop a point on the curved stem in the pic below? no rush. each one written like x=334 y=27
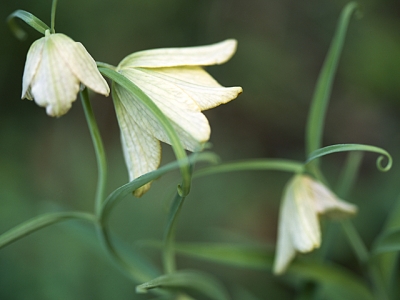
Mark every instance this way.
x=40 y=222
x=135 y=274
x=99 y=150
x=53 y=16
x=169 y=253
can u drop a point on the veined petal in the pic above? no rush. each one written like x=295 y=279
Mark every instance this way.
x=32 y=63
x=298 y=228
x=190 y=124
x=285 y=251
x=142 y=151
x=80 y=62
x=327 y=202
x=197 y=84
x=54 y=86
x=214 y=54
x=304 y=225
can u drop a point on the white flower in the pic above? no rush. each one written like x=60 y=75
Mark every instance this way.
x=55 y=66
x=303 y=201
x=174 y=79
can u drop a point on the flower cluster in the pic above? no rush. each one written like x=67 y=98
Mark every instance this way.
x=172 y=78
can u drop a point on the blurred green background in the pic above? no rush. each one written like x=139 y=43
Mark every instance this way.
x=48 y=164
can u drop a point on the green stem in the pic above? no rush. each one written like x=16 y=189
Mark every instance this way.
x=355 y=241
x=364 y=259
x=135 y=274
x=53 y=16
x=169 y=253
x=99 y=150
x=40 y=222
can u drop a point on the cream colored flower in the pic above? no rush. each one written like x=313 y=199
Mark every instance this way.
x=299 y=231
x=55 y=66
x=174 y=79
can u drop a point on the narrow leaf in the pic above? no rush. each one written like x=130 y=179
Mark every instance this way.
x=39 y=222
x=389 y=241
x=261 y=258
x=252 y=165
x=322 y=92
x=29 y=19
x=192 y=280
x=354 y=147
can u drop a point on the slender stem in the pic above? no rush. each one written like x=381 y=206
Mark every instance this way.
x=169 y=253
x=355 y=241
x=40 y=222
x=99 y=150
x=135 y=274
x=53 y=16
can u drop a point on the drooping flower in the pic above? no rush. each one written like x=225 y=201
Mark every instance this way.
x=175 y=81
x=304 y=200
x=55 y=66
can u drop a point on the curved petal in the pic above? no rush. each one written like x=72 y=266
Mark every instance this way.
x=142 y=151
x=80 y=62
x=31 y=65
x=54 y=85
x=190 y=124
x=197 y=84
x=298 y=228
x=302 y=216
x=327 y=203
x=214 y=54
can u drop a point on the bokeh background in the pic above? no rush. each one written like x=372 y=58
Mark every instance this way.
x=48 y=164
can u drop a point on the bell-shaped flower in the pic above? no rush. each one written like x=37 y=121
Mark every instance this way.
x=304 y=200
x=55 y=66
x=175 y=81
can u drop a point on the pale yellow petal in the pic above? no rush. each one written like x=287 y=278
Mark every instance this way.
x=81 y=63
x=302 y=217
x=190 y=124
x=298 y=228
x=198 y=85
x=214 y=54
x=54 y=85
x=142 y=151
x=31 y=65
x=328 y=203
x=285 y=251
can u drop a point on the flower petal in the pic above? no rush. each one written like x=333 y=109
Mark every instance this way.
x=214 y=54
x=298 y=228
x=198 y=85
x=285 y=251
x=32 y=63
x=81 y=63
x=190 y=124
x=54 y=86
x=327 y=202
x=142 y=151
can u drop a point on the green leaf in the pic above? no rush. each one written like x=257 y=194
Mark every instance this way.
x=128 y=188
x=354 y=147
x=389 y=241
x=323 y=88
x=39 y=222
x=29 y=19
x=175 y=141
x=252 y=165
x=187 y=279
x=329 y=276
